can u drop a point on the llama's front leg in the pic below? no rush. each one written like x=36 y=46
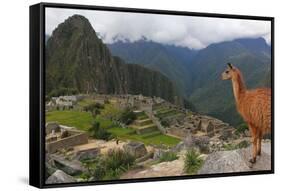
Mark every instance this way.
x=254 y=136
x=254 y=150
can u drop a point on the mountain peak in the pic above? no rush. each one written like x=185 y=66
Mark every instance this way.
x=254 y=44
x=74 y=23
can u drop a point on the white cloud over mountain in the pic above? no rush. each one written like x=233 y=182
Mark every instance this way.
x=187 y=31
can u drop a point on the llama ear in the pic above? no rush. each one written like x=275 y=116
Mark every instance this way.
x=230 y=65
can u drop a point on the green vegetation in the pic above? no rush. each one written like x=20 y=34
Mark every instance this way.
x=85 y=102
x=154 y=139
x=109 y=166
x=99 y=133
x=127 y=116
x=94 y=108
x=110 y=111
x=240 y=129
x=108 y=128
x=192 y=162
x=230 y=146
x=80 y=120
x=168 y=156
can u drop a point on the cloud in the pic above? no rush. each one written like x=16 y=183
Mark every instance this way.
x=187 y=31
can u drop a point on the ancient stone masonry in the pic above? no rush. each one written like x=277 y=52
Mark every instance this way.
x=62 y=137
x=63 y=102
x=136 y=149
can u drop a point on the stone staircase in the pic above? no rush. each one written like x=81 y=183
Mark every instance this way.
x=144 y=125
x=165 y=112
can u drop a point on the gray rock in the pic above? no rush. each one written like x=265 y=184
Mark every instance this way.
x=49 y=169
x=64 y=133
x=158 y=154
x=226 y=134
x=236 y=161
x=189 y=141
x=59 y=177
x=202 y=143
x=73 y=167
x=52 y=127
x=136 y=149
x=87 y=154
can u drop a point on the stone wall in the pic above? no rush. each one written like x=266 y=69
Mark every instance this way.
x=76 y=138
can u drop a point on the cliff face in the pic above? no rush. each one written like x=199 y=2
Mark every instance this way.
x=77 y=60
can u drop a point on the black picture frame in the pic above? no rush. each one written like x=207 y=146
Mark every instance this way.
x=37 y=92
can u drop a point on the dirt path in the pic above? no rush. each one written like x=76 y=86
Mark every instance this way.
x=103 y=145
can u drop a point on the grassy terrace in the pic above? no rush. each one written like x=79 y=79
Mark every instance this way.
x=80 y=120
x=83 y=121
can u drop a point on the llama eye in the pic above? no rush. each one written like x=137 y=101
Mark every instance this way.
x=227 y=72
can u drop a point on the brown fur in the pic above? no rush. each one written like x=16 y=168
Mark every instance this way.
x=253 y=105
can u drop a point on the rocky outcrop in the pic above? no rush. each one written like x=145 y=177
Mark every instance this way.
x=171 y=168
x=60 y=177
x=73 y=167
x=236 y=161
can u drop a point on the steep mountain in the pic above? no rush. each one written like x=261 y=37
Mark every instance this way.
x=78 y=61
x=170 y=60
x=197 y=73
x=213 y=96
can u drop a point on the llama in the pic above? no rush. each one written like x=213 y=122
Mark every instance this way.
x=253 y=105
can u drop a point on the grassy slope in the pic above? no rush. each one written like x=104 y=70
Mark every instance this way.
x=80 y=120
x=83 y=120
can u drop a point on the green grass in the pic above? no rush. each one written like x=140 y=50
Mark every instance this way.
x=167 y=113
x=110 y=111
x=84 y=120
x=168 y=156
x=157 y=139
x=86 y=102
x=80 y=120
x=104 y=123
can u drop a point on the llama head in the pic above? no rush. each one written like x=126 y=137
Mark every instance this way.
x=228 y=73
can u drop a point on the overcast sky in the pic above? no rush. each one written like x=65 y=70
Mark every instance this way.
x=187 y=31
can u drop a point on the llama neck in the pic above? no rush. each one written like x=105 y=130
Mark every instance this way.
x=238 y=86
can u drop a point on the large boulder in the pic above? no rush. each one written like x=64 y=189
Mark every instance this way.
x=136 y=149
x=201 y=143
x=87 y=154
x=236 y=161
x=59 y=177
x=71 y=167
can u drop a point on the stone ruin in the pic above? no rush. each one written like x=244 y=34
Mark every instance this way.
x=136 y=149
x=62 y=137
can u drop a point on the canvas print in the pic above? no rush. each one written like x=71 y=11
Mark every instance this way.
x=139 y=95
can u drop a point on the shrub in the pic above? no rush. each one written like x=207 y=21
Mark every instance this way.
x=94 y=108
x=242 y=144
x=241 y=129
x=99 y=133
x=127 y=116
x=229 y=147
x=192 y=162
x=164 y=123
x=168 y=156
x=118 y=158
x=110 y=166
